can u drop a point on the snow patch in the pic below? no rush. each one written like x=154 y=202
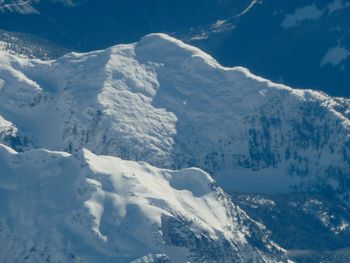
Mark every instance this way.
x=335 y=56
x=309 y=12
x=250 y=6
x=337 y=5
x=312 y=12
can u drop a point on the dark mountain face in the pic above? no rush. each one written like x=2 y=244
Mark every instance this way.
x=308 y=225
x=287 y=41
x=89 y=25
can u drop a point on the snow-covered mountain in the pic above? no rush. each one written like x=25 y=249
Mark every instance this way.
x=56 y=207
x=173 y=106
x=272 y=38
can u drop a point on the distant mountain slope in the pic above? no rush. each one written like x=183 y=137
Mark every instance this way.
x=18 y=6
x=304 y=44
x=27 y=7
x=88 y=25
x=172 y=105
x=28 y=46
x=86 y=208
x=312 y=227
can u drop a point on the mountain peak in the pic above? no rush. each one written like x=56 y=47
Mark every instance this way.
x=160 y=47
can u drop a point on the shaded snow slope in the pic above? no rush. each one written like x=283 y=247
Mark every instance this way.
x=28 y=46
x=171 y=105
x=56 y=207
x=10 y=135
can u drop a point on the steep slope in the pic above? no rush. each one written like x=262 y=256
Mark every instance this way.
x=170 y=104
x=56 y=207
x=312 y=227
x=10 y=135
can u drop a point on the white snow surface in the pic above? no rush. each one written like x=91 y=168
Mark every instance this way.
x=56 y=207
x=171 y=105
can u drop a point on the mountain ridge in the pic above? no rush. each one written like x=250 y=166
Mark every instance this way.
x=163 y=96
x=86 y=207
x=258 y=39
x=170 y=105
